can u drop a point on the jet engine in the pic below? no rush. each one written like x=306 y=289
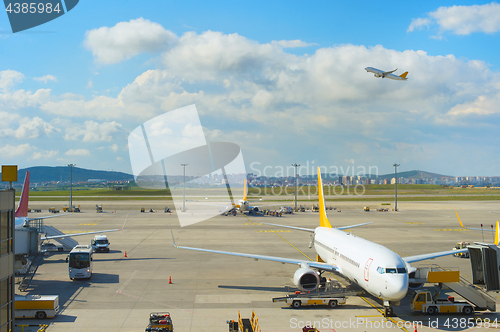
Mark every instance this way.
x=306 y=279
x=376 y=75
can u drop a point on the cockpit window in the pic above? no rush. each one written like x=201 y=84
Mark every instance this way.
x=395 y=270
x=380 y=270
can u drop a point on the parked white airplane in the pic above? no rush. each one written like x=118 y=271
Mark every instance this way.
x=243 y=204
x=377 y=269
x=22 y=220
x=380 y=73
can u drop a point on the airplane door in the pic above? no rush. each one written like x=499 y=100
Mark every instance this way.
x=367 y=268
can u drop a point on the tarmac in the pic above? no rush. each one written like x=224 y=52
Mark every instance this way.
x=209 y=289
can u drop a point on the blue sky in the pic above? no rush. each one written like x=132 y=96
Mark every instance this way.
x=284 y=80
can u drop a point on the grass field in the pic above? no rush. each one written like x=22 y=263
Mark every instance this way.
x=418 y=192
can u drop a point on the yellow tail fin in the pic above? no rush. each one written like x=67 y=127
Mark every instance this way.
x=460 y=221
x=245 y=190
x=496 y=233
x=323 y=218
x=403 y=75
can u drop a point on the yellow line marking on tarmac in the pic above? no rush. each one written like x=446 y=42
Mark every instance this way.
x=87 y=224
x=309 y=258
x=379 y=310
x=451 y=230
x=272 y=231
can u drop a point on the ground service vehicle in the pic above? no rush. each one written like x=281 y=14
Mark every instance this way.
x=49 y=246
x=98 y=208
x=100 y=243
x=143 y=210
x=80 y=262
x=462 y=245
x=424 y=302
x=160 y=321
x=53 y=210
x=36 y=306
x=297 y=302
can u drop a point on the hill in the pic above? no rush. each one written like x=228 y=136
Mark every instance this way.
x=39 y=174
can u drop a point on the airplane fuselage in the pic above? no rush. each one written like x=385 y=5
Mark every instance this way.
x=375 y=268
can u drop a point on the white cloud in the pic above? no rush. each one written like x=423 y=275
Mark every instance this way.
x=9 y=78
x=212 y=55
x=77 y=152
x=45 y=78
x=28 y=128
x=92 y=131
x=291 y=43
x=127 y=39
x=418 y=23
x=114 y=147
x=32 y=128
x=44 y=154
x=463 y=20
x=10 y=151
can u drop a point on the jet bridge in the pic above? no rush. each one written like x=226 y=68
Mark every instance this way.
x=484 y=260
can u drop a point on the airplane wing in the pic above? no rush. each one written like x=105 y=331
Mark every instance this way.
x=316 y=265
x=417 y=258
x=474 y=229
x=291 y=227
x=352 y=226
x=312 y=230
x=44 y=238
x=390 y=72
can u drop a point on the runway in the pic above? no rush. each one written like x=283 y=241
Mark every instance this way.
x=209 y=289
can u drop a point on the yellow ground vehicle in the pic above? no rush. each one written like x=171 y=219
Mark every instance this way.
x=53 y=210
x=36 y=306
x=366 y=208
x=160 y=321
x=423 y=301
x=462 y=245
x=143 y=210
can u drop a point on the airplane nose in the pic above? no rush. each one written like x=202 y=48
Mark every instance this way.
x=397 y=287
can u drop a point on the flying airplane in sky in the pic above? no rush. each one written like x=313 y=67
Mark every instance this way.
x=375 y=268
x=22 y=220
x=380 y=73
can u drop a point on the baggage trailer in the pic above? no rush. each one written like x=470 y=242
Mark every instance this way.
x=332 y=296
x=298 y=301
x=160 y=322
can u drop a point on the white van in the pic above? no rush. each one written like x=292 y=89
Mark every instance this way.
x=100 y=243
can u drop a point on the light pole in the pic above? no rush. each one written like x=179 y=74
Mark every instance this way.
x=396 y=186
x=71 y=187
x=295 y=165
x=184 y=189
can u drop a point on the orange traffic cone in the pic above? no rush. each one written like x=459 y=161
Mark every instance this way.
x=170 y=280
x=415 y=328
x=125 y=253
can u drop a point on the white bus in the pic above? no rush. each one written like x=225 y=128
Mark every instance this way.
x=80 y=262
